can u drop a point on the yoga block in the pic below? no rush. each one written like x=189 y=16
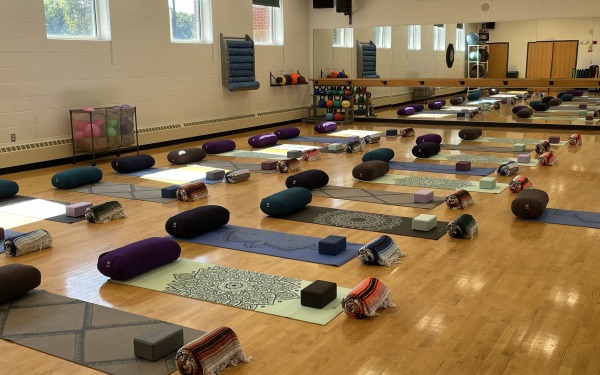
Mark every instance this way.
x=461 y=114
x=294 y=154
x=554 y=139
x=589 y=118
x=332 y=245
x=318 y=294
x=391 y=132
x=152 y=346
x=77 y=209
x=336 y=147
x=582 y=106
x=487 y=183
x=424 y=222
x=268 y=165
x=169 y=191
x=519 y=147
x=215 y=174
x=423 y=196
x=463 y=165
x=353 y=138
x=523 y=158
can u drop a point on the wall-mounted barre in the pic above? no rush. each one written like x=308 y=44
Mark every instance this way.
x=461 y=82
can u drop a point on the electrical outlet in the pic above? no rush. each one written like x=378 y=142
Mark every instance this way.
x=13 y=137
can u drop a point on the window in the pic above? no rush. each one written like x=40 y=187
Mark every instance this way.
x=190 y=21
x=439 y=37
x=383 y=37
x=414 y=37
x=77 y=19
x=343 y=37
x=460 y=37
x=267 y=24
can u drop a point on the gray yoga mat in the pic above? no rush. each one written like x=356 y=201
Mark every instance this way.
x=374 y=196
x=569 y=217
x=37 y=208
x=231 y=165
x=439 y=168
x=127 y=191
x=463 y=147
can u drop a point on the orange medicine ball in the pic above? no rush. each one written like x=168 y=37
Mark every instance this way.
x=295 y=78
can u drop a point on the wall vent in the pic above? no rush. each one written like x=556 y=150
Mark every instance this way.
x=282 y=111
x=34 y=145
x=216 y=120
x=159 y=128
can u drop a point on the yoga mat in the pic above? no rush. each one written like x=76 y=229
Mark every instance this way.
x=231 y=165
x=438 y=168
x=175 y=175
x=91 y=335
x=480 y=159
x=569 y=217
x=279 y=244
x=127 y=191
x=365 y=221
x=428 y=115
x=38 y=209
x=353 y=133
x=248 y=290
x=316 y=139
x=464 y=147
x=437 y=183
x=374 y=196
x=277 y=152
x=527 y=141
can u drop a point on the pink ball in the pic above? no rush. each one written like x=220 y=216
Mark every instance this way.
x=93 y=132
x=98 y=122
x=78 y=134
x=80 y=125
x=88 y=109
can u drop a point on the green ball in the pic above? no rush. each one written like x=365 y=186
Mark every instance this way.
x=474 y=56
x=337 y=104
x=112 y=122
x=111 y=132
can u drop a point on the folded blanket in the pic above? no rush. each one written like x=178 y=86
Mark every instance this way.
x=311 y=155
x=366 y=298
x=548 y=158
x=407 y=132
x=507 y=169
x=375 y=138
x=210 y=353
x=519 y=183
x=575 y=140
x=459 y=199
x=237 y=175
x=354 y=146
x=104 y=212
x=463 y=226
x=382 y=251
x=542 y=147
x=192 y=191
x=288 y=165
x=27 y=243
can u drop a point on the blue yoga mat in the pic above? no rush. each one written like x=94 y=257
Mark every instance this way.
x=8 y=234
x=319 y=139
x=148 y=171
x=438 y=168
x=569 y=217
x=283 y=245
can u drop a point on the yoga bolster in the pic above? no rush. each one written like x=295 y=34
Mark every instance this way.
x=426 y=149
x=566 y=97
x=457 y=100
x=138 y=257
x=554 y=102
x=8 y=189
x=237 y=175
x=541 y=106
x=517 y=108
x=325 y=127
x=16 y=280
x=405 y=111
x=220 y=146
x=132 y=163
x=474 y=95
x=287 y=133
x=463 y=226
x=384 y=154
x=309 y=179
x=429 y=138
x=27 y=243
x=186 y=155
x=577 y=92
x=366 y=298
x=525 y=113
x=263 y=140
x=370 y=170
x=418 y=107
x=192 y=191
x=546 y=99
x=288 y=165
x=529 y=204
x=534 y=103
x=196 y=221
x=286 y=202
x=459 y=199
x=435 y=105
x=104 y=212
x=470 y=133
x=75 y=177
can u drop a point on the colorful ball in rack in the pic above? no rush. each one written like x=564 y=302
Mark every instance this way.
x=112 y=122
x=92 y=132
x=329 y=116
x=322 y=103
x=111 y=132
x=337 y=104
x=295 y=77
x=338 y=116
x=329 y=103
x=126 y=125
x=346 y=104
x=88 y=109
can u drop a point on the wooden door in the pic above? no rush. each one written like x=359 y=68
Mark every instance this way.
x=564 y=59
x=498 y=60
x=539 y=59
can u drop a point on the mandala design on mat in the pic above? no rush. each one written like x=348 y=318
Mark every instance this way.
x=257 y=155
x=233 y=287
x=478 y=158
x=257 y=240
x=586 y=217
x=433 y=183
x=358 y=220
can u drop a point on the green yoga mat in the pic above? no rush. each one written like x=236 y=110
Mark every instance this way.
x=374 y=196
x=480 y=159
x=527 y=141
x=248 y=290
x=437 y=183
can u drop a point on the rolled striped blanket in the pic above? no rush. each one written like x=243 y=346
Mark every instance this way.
x=311 y=155
x=381 y=251
x=520 y=183
x=459 y=199
x=366 y=298
x=237 y=175
x=355 y=146
x=288 y=165
x=507 y=169
x=463 y=226
x=210 y=353
x=374 y=138
x=407 y=132
x=548 y=158
x=542 y=147
x=27 y=242
x=104 y=212
x=193 y=191
x=575 y=140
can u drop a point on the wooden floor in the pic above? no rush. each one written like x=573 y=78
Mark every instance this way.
x=520 y=298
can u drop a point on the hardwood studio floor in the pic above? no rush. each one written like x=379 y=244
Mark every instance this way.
x=520 y=298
